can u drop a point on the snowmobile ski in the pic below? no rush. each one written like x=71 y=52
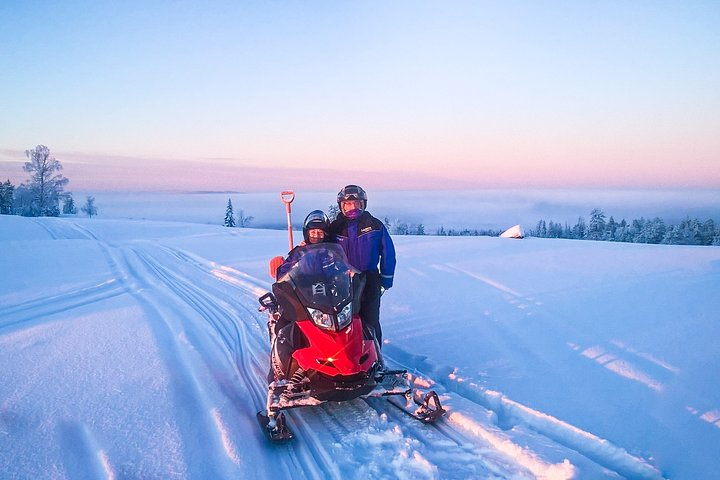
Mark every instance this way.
x=280 y=433
x=429 y=408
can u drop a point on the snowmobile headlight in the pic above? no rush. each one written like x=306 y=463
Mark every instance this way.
x=321 y=319
x=345 y=316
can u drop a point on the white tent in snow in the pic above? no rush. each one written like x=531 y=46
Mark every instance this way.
x=513 y=232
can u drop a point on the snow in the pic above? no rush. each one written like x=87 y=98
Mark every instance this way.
x=515 y=231
x=134 y=349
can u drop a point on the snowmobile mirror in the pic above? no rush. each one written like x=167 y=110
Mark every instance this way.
x=275 y=263
x=267 y=301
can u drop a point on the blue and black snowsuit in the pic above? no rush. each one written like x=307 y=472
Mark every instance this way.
x=367 y=244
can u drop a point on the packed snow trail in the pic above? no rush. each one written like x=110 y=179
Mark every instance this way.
x=142 y=357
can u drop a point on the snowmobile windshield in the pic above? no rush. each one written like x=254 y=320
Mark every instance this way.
x=322 y=277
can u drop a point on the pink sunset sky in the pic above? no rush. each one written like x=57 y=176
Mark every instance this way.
x=394 y=95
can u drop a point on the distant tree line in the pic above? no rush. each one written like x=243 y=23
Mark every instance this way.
x=397 y=227
x=655 y=231
x=41 y=195
x=466 y=232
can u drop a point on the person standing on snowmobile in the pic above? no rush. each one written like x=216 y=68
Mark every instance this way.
x=367 y=244
x=315 y=230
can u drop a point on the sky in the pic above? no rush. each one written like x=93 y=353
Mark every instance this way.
x=402 y=94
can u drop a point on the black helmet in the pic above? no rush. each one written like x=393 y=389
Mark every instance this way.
x=352 y=192
x=315 y=219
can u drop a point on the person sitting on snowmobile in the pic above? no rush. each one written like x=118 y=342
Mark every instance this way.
x=367 y=243
x=315 y=230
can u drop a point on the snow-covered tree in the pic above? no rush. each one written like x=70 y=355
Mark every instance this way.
x=716 y=239
x=401 y=228
x=69 y=207
x=654 y=231
x=229 y=215
x=610 y=229
x=708 y=232
x=596 y=227
x=690 y=232
x=333 y=211
x=7 y=195
x=555 y=230
x=541 y=230
x=45 y=185
x=89 y=208
x=580 y=229
x=244 y=221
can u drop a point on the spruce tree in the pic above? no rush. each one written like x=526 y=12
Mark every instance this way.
x=333 y=212
x=69 y=207
x=596 y=228
x=7 y=195
x=229 y=215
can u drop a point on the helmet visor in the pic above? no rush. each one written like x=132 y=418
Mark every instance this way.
x=316 y=218
x=351 y=192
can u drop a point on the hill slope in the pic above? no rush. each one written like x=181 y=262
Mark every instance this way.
x=134 y=349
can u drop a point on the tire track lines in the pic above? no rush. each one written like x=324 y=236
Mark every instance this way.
x=47 y=228
x=84 y=457
x=221 y=322
x=473 y=458
x=250 y=284
x=200 y=438
x=250 y=288
x=84 y=231
x=25 y=313
x=231 y=328
x=499 y=451
x=509 y=412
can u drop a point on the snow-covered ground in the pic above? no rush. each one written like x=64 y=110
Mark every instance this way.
x=134 y=349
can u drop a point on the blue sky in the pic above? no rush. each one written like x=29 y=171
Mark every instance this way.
x=491 y=94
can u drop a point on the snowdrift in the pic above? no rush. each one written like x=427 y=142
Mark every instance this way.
x=513 y=232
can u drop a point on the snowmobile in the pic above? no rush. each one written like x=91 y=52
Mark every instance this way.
x=320 y=349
